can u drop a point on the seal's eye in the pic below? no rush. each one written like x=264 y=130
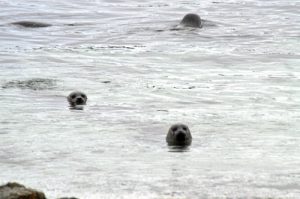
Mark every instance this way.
x=184 y=128
x=83 y=95
x=73 y=96
x=174 y=129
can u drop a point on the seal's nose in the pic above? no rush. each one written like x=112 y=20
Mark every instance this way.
x=181 y=136
x=79 y=101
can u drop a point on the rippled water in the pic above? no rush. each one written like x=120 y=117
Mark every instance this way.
x=235 y=82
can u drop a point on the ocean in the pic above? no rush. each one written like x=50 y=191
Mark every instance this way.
x=235 y=82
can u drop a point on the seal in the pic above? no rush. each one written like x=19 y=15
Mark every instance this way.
x=191 y=20
x=77 y=98
x=31 y=24
x=179 y=135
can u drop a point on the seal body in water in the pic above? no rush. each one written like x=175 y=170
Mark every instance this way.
x=77 y=98
x=31 y=24
x=191 y=20
x=179 y=135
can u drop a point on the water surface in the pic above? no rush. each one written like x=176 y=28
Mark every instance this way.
x=235 y=82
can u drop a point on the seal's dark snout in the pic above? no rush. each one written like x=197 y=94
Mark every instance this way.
x=181 y=136
x=79 y=101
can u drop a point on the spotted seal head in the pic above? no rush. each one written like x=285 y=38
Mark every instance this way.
x=179 y=135
x=77 y=98
x=191 y=20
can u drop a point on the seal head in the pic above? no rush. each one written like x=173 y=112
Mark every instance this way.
x=191 y=20
x=179 y=135
x=77 y=98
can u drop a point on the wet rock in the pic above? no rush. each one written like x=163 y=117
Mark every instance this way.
x=31 y=24
x=13 y=190
x=33 y=84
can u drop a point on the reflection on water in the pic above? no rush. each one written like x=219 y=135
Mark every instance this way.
x=235 y=82
x=34 y=84
x=179 y=149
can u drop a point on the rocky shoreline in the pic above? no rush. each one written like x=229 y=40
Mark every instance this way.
x=14 y=190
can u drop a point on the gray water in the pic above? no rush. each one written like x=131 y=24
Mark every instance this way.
x=235 y=83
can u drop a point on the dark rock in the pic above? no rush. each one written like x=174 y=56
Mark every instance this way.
x=13 y=190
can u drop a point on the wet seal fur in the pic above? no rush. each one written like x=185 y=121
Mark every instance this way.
x=191 y=20
x=77 y=98
x=179 y=135
x=31 y=24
